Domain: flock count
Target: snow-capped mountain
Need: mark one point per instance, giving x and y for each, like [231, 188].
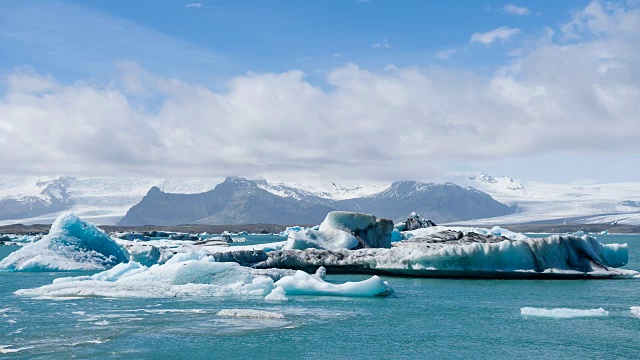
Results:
[331, 190]
[102, 200]
[41, 197]
[241, 201]
[105, 200]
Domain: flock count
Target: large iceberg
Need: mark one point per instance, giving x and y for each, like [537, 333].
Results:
[200, 275]
[450, 253]
[343, 230]
[72, 244]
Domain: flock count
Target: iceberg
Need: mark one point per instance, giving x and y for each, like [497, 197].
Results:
[144, 254]
[200, 275]
[342, 230]
[72, 244]
[291, 229]
[250, 313]
[277, 294]
[563, 313]
[305, 284]
[315, 239]
[455, 254]
[495, 231]
[414, 222]
[369, 230]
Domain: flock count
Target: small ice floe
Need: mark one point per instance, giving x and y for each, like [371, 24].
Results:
[250, 313]
[9, 349]
[277, 294]
[563, 313]
[87, 342]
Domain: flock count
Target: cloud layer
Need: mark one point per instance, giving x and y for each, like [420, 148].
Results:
[575, 91]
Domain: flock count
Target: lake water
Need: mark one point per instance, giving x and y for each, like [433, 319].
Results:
[427, 318]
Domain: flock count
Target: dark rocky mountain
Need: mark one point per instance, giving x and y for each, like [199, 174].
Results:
[242, 201]
[52, 198]
[438, 202]
[234, 201]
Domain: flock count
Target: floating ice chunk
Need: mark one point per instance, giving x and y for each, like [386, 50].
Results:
[187, 278]
[304, 284]
[495, 231]
[314, 239]
[563, 313]
[119, 271]
[277, 294]
[375, 233]
[321, 272]
[9, 349]
[72, 244]
[291, 229]
[198, 275]
[396, 236]
[146, 255]
[250, 313]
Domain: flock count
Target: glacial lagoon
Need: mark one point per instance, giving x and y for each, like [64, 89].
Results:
[444, 318]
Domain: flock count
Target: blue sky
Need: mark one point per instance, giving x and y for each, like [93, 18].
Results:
[225, 38]
[522, 85]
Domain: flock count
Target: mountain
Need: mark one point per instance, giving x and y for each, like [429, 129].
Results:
[106, 200]
[439, 202]
[102, 200]
[234, 201]
[51, 197]
[238, 201]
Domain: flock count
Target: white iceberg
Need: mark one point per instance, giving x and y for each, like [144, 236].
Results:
[343, 230]
[452, 254]
[250, 313]
[305, 284]
[72, 244]
[277, 294]
[563, 313]
[197, 274]
[329, 239]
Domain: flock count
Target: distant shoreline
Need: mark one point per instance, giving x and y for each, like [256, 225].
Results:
[20, 229]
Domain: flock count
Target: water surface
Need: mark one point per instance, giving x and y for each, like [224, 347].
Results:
[441, 319]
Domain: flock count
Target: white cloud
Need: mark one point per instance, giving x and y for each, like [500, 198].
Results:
[445, 54]
[515, 10]
[194, 5]
[502, 34]
[337, 55]
[396, 123]
[384, 44]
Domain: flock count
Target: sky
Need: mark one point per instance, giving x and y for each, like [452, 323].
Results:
[350, 90]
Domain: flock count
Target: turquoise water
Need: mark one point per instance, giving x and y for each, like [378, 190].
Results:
[441, 319]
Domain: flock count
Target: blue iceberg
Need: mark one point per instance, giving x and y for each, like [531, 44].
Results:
[72, 244]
